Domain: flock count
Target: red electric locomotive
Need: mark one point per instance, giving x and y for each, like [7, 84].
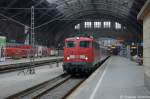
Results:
[81, 55]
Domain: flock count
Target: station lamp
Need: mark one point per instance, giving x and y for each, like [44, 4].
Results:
[133, 47]
[113, 47]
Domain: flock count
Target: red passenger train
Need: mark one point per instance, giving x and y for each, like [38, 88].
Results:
[18, 51]
[81, 55]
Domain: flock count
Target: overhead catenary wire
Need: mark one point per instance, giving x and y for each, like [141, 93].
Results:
[18, 22]
[9, 18]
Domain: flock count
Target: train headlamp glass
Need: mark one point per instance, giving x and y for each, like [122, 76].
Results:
[68, 58]
[83, 57]
[86, 58]
[78, 38]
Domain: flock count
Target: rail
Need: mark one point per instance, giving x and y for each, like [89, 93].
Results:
[21, 66]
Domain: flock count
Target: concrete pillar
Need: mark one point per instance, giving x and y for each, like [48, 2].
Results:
[128, 52]
[145, 16]
[26, 30]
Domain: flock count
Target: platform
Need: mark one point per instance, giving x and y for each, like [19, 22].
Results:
[14, 82]
[25, 60]
[118, 78]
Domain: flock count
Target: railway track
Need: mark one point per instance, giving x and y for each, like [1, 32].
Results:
[57, 88]
[21, 66]
[62, 90]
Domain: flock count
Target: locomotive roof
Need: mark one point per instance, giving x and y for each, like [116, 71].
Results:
[80, 38]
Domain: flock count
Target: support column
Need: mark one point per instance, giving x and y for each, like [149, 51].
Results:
[26, 32]
[145, 16]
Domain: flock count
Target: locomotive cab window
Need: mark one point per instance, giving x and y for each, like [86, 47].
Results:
[70, 44]
[85, 44]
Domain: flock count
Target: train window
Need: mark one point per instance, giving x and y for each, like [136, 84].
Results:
[70, 44]
[85, 44]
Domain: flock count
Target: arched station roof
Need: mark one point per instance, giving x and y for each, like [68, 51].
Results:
[52, 15]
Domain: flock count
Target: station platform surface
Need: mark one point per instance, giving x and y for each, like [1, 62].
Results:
[118, 78]
[24, 60]
[14, 82]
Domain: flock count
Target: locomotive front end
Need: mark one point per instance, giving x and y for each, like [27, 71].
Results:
[78, 55]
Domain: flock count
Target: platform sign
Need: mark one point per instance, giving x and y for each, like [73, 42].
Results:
[2, 48]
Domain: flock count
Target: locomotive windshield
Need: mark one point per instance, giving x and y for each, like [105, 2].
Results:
[70, 44]
[84, 44]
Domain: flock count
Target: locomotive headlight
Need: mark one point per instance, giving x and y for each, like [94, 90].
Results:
[68, 58]
[71, 57]
[83, 57]
[86, 58]
[78, 38]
